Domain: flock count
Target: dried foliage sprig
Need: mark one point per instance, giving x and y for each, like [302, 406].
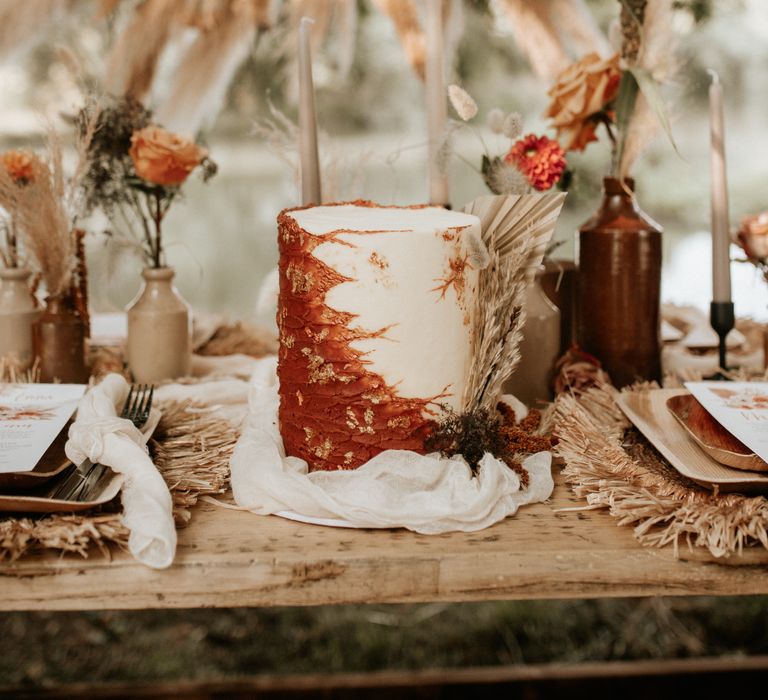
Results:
[479, 431]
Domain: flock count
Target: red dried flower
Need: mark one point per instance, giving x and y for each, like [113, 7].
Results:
[539, 158]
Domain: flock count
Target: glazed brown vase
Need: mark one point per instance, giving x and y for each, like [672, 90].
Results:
[58, 341]
[619, 287]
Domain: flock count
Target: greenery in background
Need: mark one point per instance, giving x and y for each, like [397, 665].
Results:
[205, 644]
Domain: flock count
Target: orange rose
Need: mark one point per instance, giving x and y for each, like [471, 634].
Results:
[753, 236]
[162, 157]
[19, 165]
[581, 91]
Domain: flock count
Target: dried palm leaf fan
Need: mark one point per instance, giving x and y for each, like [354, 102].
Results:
[516, 230]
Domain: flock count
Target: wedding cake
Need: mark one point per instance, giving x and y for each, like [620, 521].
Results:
[375, 316]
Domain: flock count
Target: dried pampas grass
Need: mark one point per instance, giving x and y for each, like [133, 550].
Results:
[551, 32]
[21, 22]
[516, 229]
[46, 208]
[133, 61]
[649, 47]
[206, 68]
[405, 18]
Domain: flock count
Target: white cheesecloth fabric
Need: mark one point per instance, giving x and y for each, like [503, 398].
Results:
[98, 434]
[428, 494]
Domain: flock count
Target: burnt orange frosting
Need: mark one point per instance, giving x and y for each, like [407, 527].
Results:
[334, 412]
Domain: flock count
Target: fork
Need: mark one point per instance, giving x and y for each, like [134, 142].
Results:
[76, 486]
[138, 414]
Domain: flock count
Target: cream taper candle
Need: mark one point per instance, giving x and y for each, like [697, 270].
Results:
[721, 238]
[437, 111]
[308, 155]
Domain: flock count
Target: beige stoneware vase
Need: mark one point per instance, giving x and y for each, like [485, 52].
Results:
[159, 330]
[17, 312]
[539, 348]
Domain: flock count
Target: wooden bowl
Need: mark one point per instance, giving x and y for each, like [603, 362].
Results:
[712, 437]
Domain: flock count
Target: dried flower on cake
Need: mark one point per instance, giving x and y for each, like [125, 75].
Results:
[540, 159]
[474, 433]
[580, 99]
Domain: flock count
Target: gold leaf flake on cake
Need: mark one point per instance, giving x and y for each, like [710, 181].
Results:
[320, 371]
[317, 337]
[374, 397]
[322, 451]
[301, 282]
[399, 422]
[378, 261]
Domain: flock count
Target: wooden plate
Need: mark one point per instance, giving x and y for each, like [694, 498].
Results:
[712, 437]
[649, 413]
[53, 462]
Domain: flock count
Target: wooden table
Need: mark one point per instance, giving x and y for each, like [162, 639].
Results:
[230, 558]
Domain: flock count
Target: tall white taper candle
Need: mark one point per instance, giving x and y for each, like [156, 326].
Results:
[721, 238]
[436, 98]
[308, 156]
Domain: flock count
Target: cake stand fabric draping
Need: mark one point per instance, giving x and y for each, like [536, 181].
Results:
[98, 434]
[428, 494]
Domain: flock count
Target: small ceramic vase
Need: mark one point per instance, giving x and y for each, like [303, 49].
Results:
[17, 312]
[159, 330]
[58, 341]
[539, 349]
[619, 287]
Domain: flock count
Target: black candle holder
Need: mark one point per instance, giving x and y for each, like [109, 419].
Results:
[722, 320]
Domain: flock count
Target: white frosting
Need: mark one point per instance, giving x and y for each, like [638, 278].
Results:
[400, 266]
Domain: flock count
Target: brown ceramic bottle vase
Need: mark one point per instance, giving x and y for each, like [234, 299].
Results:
[58, 340]
[619, 287]
[17, 312]
[159, 330]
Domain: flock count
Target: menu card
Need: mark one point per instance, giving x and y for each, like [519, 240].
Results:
[31, 416]
[740, 407]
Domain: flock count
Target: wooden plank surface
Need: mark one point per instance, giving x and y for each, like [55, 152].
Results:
[229, 558]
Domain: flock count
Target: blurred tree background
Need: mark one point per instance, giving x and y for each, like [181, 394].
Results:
[370, 109]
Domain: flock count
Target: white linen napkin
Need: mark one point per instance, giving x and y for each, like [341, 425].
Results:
[397, 488]
[100, 435]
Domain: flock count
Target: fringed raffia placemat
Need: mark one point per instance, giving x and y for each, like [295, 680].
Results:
[191, 449]
[610, 464]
